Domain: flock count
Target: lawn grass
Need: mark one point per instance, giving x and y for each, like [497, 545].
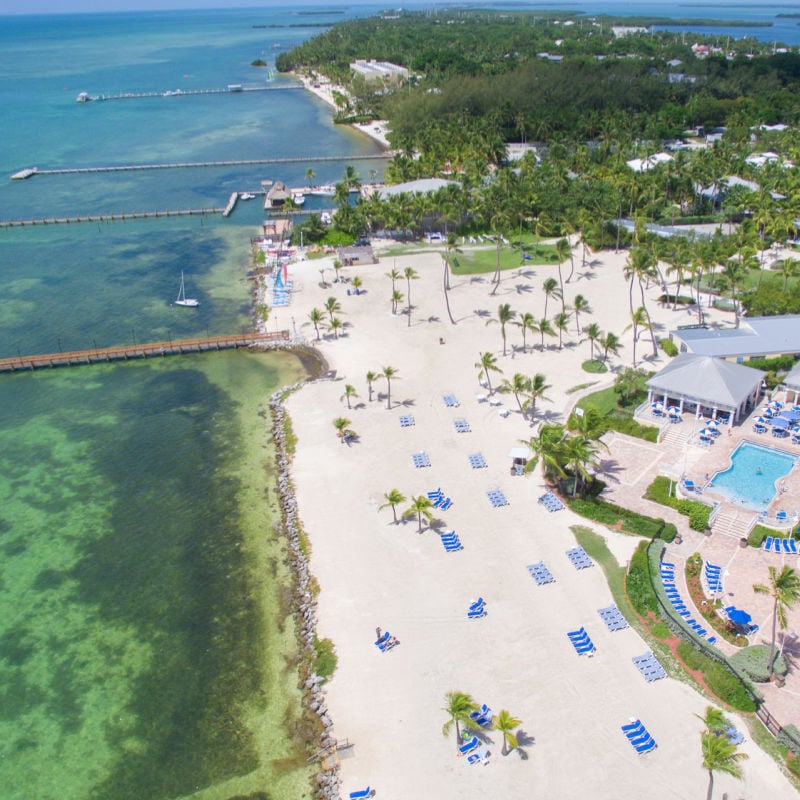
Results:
[480, 260]
[605, 401]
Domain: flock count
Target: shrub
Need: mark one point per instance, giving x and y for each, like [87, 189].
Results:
[615, 516]
[754, 662]
[789, 737]
[629, 426]
[594, 366]
[660, 630]
[668, 532]
[698, 513]
[793, 764]
[758, 534]
[325, 658]
[669, 347]
[698, 516]
[638, 585]
[723, 683]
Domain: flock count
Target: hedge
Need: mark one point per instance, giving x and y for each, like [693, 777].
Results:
[754, 662]
[616, 517]
[325, 659]
[720, 681]
[638, 585]
[698, 513]
[758, 534]
[669, 347]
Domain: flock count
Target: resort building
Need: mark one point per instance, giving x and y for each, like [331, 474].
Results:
[379, 70]
[709, 387]
[756, 337]
[422, 186]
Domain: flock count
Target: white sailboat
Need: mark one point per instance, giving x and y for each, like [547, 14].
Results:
[182, 299]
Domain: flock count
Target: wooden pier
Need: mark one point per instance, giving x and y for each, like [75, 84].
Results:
[101, 355]
[178, 212]
[244, 162]
[85, 97]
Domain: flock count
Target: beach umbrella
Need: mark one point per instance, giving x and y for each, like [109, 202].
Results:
[520, 451]
[792, 416]
[780, 422]
[739, 617]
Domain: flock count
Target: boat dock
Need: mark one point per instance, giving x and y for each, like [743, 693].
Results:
[32, 171]
[85, 97]
[99, 355]
[231, 204]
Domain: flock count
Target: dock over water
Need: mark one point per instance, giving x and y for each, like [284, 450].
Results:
[100, 355]
[85, 97]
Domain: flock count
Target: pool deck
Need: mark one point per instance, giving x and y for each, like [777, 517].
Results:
[630, 465]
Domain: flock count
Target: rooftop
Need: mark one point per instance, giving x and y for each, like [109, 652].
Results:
[757, 336]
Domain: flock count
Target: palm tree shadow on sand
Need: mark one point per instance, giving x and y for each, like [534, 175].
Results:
[524, 740]
[609, 468]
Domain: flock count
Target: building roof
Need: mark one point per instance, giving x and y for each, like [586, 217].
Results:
[792, 379]
[423, 186]
[710, 381]
[757, 336]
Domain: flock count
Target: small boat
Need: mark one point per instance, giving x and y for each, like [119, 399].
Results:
[326, 190]
[246, 196]
[298, 198]
[182, 299]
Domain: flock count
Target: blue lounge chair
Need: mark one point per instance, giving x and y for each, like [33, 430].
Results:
[785, 545]
[445, 504]
[435, 494]
[647, 746]
[383, 639]
[781, 516]
[477, 461]
[479, 603]
[632, 726]
[469, 746]
[478, 613]
[361, 794]
[768, 543]
[792, 546]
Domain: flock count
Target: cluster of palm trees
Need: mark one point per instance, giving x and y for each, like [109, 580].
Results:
[326, 317]
[459, 706]
[388, 374]
[719, 754]
[410, 274]
[568, 451]
[420, 507]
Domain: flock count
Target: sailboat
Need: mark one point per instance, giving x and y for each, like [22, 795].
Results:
[183, 300]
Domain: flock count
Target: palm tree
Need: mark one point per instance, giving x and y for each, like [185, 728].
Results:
[544, 327]
[487, 364]
[719, 755]
[536, 391]
[332, 306]
[580, 305]
[393, 499]
[593, 334]
[518, 385]
[316, 316]
[410, 275]
[611, 344]
[349, 392]
[561, 320]
[784, 588]
[504, 315]
[507, 724]
[714, 720]
[563, 252]
[458, 708]
[335, 325]
[395, 276]
[371, 378]
[638, 319]
[310, 175]
[591, 424]
[579, 454]
[547, 447]
[389, 373]
[397, 298]
[421, 506]
[527, 322]
[449, 247]
[340, 423]
[550, 288]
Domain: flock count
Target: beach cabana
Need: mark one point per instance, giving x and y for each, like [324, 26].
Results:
[519, 456]
[707, 386]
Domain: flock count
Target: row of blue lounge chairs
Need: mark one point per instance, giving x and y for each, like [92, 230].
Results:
[778, 545]
[461, 426]
[674, 596]
[613, 618]
[474, 752]
[650, 667]
[386, 642]
[420, 459]
[482, 716]
[477, 609]
[451, 542]
[407, 421]
[540, 573]
[477, 461]
[439, 500]
[551, 502]
[580, 640]
[579, 558]
[497, 498]
[712, 577]
[640, 740]
[451, 401]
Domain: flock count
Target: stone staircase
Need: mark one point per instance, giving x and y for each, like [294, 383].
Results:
[677, 434]
[733, 522]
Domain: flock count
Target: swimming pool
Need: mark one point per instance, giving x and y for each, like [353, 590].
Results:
[750, 479]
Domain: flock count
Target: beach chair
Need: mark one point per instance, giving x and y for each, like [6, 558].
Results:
[420, 460]
[406, 421]
[785, 545]
[477, 461]
[768, 543]
[503, 412]
[792, 546]
[383, 639]
[477, 604]
[477, 613]
[468, 746]
[781, 516]
[361, 794]
[445, 504]
[776, 545]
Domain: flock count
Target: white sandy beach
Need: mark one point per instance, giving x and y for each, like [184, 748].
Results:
[374, 573]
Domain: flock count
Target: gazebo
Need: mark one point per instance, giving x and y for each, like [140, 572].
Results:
[792, 384]
[707, 386]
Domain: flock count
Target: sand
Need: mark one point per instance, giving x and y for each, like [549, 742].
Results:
[375, 573]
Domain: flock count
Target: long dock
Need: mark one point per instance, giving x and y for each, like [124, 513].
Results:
[176, 212]
[84, 97]
[101, 355]
[30, 172]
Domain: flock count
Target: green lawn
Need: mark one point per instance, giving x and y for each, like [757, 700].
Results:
[478, 260]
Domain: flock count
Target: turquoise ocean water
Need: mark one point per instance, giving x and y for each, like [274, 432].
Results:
[139, 591]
